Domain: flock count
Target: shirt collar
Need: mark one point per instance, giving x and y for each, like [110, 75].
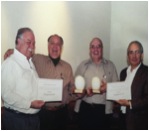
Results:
[19, 55]
[59, 63]
[134, 70]
[22, 59]
[89, 61]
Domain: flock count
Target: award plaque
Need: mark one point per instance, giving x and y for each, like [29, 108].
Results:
[95, 85]
[80, 84]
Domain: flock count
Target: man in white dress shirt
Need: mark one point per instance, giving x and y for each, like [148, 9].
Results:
[19, 85]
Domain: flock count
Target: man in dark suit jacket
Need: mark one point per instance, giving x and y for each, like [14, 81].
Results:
[137, 75]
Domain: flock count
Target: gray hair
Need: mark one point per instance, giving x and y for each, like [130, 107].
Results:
[138, 44]
[61, 39]
[96, 38]
[20, 32]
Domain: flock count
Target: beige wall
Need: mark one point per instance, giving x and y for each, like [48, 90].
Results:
[129, 21]
[116, 23]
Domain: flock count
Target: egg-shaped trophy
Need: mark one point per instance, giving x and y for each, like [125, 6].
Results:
[96, 85]
[79, 84]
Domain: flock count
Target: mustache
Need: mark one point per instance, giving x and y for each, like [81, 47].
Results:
[30, 50]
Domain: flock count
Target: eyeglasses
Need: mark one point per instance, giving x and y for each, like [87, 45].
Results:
[96, 47]
[134, 52]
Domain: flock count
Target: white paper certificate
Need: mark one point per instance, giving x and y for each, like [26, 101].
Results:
[50, 89]
[118, 90]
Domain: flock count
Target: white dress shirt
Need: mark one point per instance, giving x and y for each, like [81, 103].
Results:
[19, 83]
[129, 80]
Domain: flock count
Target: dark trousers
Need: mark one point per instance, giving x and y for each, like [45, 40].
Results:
[92, 116]
[53, 120]
[19, 121]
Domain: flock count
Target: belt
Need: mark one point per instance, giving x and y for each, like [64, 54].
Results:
[18, 112]
[55, 108]
[93, 105]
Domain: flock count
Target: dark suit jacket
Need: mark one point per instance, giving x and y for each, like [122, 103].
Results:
[137, 117]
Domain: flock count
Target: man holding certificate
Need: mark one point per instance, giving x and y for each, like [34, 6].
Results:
[136, 75]
[54, 85]
[19, 85]
[54, 114]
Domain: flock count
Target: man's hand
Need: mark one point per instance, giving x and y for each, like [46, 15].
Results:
[37, 104]
[103, 87]
[123, 102]
[8, 53]
[89, 91]
[78, 95]
[81, 95]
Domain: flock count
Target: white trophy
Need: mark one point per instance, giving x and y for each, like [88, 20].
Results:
[80, 84]
[96, 85]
